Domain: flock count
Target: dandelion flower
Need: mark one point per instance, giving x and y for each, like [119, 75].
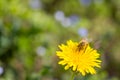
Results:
[79, 56]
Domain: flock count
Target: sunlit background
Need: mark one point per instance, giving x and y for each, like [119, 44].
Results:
[31, 30]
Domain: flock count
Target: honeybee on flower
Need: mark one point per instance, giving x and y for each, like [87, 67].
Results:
[79, 56]
[82, 44]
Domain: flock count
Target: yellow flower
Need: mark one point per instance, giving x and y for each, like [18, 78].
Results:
[79, 56]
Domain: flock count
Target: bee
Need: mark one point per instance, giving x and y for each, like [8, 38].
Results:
[82, 45]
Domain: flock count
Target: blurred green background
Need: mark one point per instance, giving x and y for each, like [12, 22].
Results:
[31, 30]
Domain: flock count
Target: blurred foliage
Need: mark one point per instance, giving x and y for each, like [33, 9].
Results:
[31, 30]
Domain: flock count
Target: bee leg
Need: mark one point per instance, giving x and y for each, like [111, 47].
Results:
[85, 48]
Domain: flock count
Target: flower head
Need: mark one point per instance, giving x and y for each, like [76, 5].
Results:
[79, 56]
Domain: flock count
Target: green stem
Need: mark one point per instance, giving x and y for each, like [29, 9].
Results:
[73, 76]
